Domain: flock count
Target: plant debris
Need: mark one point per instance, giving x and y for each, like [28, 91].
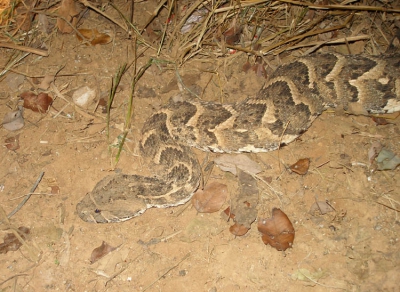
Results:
[277, 231]
[68, 16]
[387, 160]
[36, 102]
[211, 198]
[14, 120]
[243, 209]
[233, 162]
[93, 37]
[11, 242]
[101, 251]
[301, 166]
[12, 143]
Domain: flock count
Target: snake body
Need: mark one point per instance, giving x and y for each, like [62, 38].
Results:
[294, 95]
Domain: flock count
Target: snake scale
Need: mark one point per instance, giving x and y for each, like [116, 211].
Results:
[293, 96]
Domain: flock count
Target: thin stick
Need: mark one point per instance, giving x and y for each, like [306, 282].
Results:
[170, 269]
[24, 49]
[27, 196]
[342, 7]
[12, 277]
[280, 141]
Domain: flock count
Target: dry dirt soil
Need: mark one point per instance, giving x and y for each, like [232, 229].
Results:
[353, 248]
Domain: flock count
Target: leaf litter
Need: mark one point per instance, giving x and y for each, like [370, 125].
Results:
[243, 208]
[11, 242]
[101, 251]
[14, 120]
[211, 198]
[277, 231]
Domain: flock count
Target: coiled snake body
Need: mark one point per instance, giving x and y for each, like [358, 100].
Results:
[297, 92]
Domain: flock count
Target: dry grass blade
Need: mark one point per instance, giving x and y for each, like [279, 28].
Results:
[113, 90]
[129, 112]
[343, 7]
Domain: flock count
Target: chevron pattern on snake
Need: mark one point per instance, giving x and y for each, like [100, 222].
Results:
[294, 95]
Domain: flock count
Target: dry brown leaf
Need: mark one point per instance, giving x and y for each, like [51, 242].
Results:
[12, 143]
[277, 231]
[37, 103]
[232, 162]
[380, 121]
[373, 152]
[14, 120]
[238, 229]
[232, 35]
[259, 70]
[246, 67]
[69, 11]
[211, 198]
[101, 251]
[11, 242]
[227, 214]
[301, 166]
[93, 36]
[243, 209]
[46, 81]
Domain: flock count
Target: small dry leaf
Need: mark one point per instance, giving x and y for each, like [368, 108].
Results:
[12, 143]
[69, 11]
[232, 35]
[387, 160]
[211, 198]
[380, 121]
[373, 152]
[301, 166]
[238, 229]
[93, 36]
[277, 231]
[46, 81]
[101, 251]
[14, 120]
[227, 214]
[54, 190]
[11, 242]
[232, 162]
[37, 103]
[259, 70]
[321, 208]
[246, 67]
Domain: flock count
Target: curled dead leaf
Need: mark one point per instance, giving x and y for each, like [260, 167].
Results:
[211, 198]
[233, 162]
[301, 166]
[101, 251]
[373, 151]
[11, 242]
[232, 35]
[380, 121]
[37, 103]
[12, 143]
[277, 231]
[238, 229]
[93, 36]
[14, 120]
[68, 11]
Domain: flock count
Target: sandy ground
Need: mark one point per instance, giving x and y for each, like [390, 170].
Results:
[354, 248]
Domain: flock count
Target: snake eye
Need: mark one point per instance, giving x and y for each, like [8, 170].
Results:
[97, 211]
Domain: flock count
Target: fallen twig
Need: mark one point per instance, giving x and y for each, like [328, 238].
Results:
[27, 196]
